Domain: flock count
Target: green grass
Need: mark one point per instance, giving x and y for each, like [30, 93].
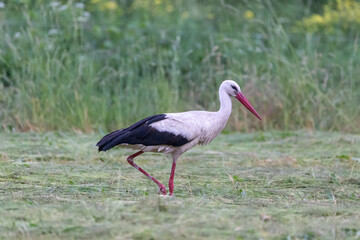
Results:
[63, 69]
[269, 185]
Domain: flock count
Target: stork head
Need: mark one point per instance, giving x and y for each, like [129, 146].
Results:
[233, 89]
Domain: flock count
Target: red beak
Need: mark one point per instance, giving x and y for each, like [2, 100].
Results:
[247, 104]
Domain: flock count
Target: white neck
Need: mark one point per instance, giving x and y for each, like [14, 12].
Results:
[217, 121]
[225, 105]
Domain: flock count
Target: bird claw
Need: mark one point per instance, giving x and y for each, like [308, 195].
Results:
[162, 191]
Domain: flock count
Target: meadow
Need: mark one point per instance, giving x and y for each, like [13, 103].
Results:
[101, 65]
[273, 185]
[70, 71]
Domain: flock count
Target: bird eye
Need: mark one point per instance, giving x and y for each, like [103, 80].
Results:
[233, 87]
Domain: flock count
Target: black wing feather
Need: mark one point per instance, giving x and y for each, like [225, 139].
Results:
[141, 133]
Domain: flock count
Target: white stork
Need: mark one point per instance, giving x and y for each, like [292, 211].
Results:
[175, 133]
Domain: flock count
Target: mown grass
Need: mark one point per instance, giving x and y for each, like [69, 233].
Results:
[65, 66]
[272, 185]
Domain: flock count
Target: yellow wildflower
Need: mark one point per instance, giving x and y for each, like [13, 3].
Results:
[249, 14]
[344, 14]
[110, 5]
[317, 19]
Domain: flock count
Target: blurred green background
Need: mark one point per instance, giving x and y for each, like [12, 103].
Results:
[99, 65]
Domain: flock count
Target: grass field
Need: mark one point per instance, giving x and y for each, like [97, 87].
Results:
[73, 69]
[101, 64]
[273, 185]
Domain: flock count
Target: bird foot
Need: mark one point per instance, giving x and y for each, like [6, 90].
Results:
[162, 191]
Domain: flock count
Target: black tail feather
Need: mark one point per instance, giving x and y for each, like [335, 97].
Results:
[141, 133]
[112, 139]
[107, 140]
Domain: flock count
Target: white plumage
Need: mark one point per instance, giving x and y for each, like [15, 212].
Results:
[175, 133]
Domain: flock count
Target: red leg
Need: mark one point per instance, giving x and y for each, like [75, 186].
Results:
[131, 161]
[171, 180]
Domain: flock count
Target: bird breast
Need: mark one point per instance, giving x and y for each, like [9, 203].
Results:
[211, 129]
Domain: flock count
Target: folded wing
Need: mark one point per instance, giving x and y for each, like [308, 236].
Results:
[143, 133]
